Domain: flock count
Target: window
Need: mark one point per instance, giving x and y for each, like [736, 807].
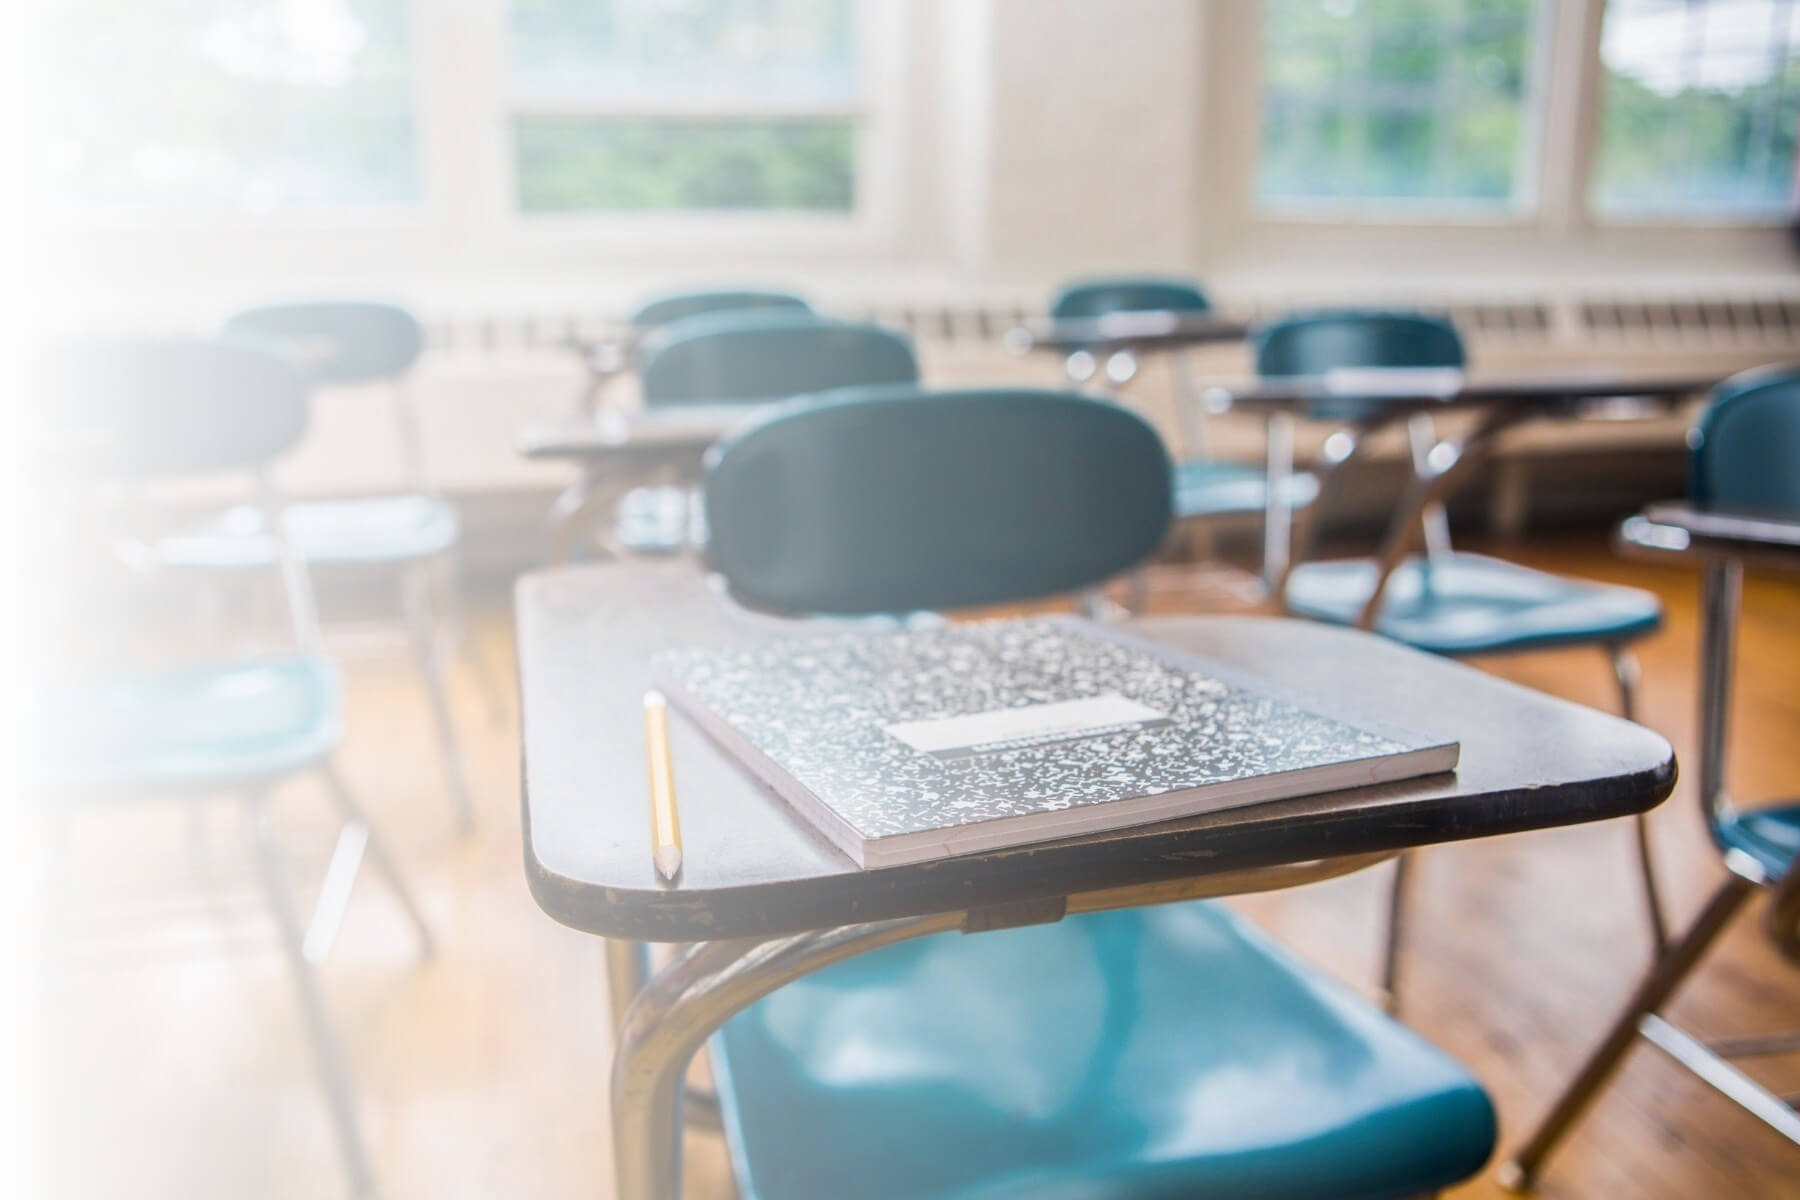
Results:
[1699, 106]
[228, 106]
[684, 104]
[1404, 103]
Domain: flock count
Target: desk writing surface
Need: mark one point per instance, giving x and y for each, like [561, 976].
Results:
[1480, 389]
[752, 867]
[641, 433]
[1144, 330]
[1711, 534]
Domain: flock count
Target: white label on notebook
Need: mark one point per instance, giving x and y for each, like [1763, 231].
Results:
[1034, 724]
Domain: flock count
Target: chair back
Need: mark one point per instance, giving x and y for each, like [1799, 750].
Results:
[1315, 343]
[1746, 447]
[336, 341]
[1141, 293]
[893, 500]
[142, 409]
[733, 356]
[653, 314]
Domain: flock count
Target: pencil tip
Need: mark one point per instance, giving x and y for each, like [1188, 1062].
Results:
[668, 861]
[655, 699]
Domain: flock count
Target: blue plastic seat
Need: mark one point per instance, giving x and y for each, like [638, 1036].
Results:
[361, 530]
[1471, 604]
[1133, 1055]
[234, 725]
[1211, 487]
[1161, 1052]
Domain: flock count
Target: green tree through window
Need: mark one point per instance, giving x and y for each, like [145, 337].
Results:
[1700, 103]
[1408, 103]
[703, 104]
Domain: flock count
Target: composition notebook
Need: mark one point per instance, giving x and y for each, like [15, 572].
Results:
[911, 746]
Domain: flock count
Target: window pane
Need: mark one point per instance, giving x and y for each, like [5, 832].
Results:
[575, 163]
[1700, 103]
[1412, 101]
[248, 106]
[677, 104]
[647, 52]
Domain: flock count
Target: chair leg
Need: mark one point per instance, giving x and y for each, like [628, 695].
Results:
[1627, 674]
[328, 1052]
[422, 630]
[1519, 1173]
[377, 852]
[1396, 934]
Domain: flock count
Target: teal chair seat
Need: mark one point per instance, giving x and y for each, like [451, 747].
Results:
[361, 530]
[228, 726]
[1472, 604]
[1161, 1052]
[1770, 836]
[1215, 488]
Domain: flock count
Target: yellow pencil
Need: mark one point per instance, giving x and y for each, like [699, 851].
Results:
[665, 821]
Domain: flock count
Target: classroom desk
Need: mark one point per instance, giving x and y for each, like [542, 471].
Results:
[618, 451]
[1134, 331]
[1370, 401]
[763, 900]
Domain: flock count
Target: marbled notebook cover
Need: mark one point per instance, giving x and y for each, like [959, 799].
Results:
[916, 745]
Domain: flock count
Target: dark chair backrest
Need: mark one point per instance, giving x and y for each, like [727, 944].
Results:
[336, 341]
[149, 408]
[736, 356]
[891, 500]
[653, 314]
[1314, 343]
[1143, 293]
[1746, 447]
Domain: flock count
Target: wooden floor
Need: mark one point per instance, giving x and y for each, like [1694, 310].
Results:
[483, 1072]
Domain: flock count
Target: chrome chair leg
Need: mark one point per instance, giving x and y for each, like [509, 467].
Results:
[1520, 1172]
[1396, 934]
[421, 629]
[377, 852]
[680, 1009]
[328, 1051]
[1627, 674]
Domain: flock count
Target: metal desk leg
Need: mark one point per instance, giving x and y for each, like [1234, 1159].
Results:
[576, 508]
[1278, 515]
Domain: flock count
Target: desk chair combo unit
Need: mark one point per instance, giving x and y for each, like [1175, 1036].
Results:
[1446, 601]
[413, 534]
[1114, 1050]
[606, 360]
[150, 412]
[1208, 491]
[728, 366]
[1745, 509]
